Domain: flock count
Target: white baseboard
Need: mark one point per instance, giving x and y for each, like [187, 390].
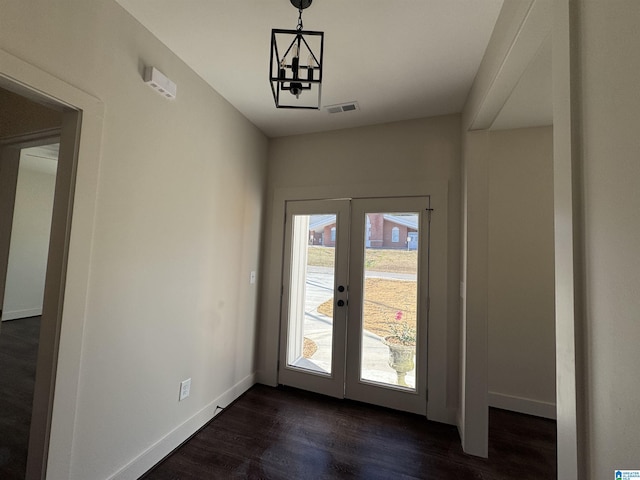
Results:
[523, 405]
[16, 314]
[156, 452]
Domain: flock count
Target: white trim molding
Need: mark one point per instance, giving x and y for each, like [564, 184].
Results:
[24, 313]
[176, 437]
[29, 78]
[529, 406]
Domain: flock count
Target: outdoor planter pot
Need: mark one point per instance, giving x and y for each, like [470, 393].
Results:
[400, 358]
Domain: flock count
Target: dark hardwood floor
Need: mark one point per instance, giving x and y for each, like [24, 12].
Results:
[289, 434]
[284, 433]
[18, 352]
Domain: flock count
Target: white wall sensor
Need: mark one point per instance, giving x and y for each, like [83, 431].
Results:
[159, 82]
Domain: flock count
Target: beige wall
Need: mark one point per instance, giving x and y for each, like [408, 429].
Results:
[521, 316]
[597, 236]
[609, 69]
[169, 295]
[151, 293]
[382, 154]
[401, 158]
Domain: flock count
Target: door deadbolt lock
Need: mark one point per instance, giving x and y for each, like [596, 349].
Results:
[341, 288]
[341, 303]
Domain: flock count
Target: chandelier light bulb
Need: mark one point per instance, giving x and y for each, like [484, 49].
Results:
[310, 68]
[295, 61]
[283, 69]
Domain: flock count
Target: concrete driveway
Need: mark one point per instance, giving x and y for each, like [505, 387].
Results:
[318, 328]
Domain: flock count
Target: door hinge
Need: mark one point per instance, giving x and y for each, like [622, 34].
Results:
[429, 212]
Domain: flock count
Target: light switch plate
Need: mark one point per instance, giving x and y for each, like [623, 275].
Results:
[185, 389]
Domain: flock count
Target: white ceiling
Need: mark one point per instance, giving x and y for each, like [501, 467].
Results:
[399, 59]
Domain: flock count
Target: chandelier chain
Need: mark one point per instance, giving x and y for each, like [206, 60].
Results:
[299, 19]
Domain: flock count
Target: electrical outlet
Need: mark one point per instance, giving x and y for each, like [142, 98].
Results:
[185, 389]
[252, 277]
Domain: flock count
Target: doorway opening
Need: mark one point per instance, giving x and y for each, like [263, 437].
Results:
[38, 151]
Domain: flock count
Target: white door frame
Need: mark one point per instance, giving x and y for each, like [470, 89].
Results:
[443, 355]
[58, 410]
[352, 225]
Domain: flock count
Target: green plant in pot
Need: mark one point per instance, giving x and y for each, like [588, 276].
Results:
[402, 347]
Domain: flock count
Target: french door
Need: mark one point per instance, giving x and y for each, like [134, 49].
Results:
[355, 300]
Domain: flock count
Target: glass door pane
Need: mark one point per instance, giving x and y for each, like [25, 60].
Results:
[312, 274]
[314, 296]
[388, 303]
[390, 299]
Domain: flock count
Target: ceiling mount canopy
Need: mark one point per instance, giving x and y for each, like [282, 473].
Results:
[295, 71]
[301, 4]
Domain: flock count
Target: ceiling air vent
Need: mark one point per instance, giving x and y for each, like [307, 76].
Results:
[342, 107]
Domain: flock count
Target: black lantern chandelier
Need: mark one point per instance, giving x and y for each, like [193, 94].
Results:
[296, 65]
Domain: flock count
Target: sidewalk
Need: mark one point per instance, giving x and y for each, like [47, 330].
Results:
[318, 328]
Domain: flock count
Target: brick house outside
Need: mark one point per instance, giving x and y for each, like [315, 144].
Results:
[384, 230]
